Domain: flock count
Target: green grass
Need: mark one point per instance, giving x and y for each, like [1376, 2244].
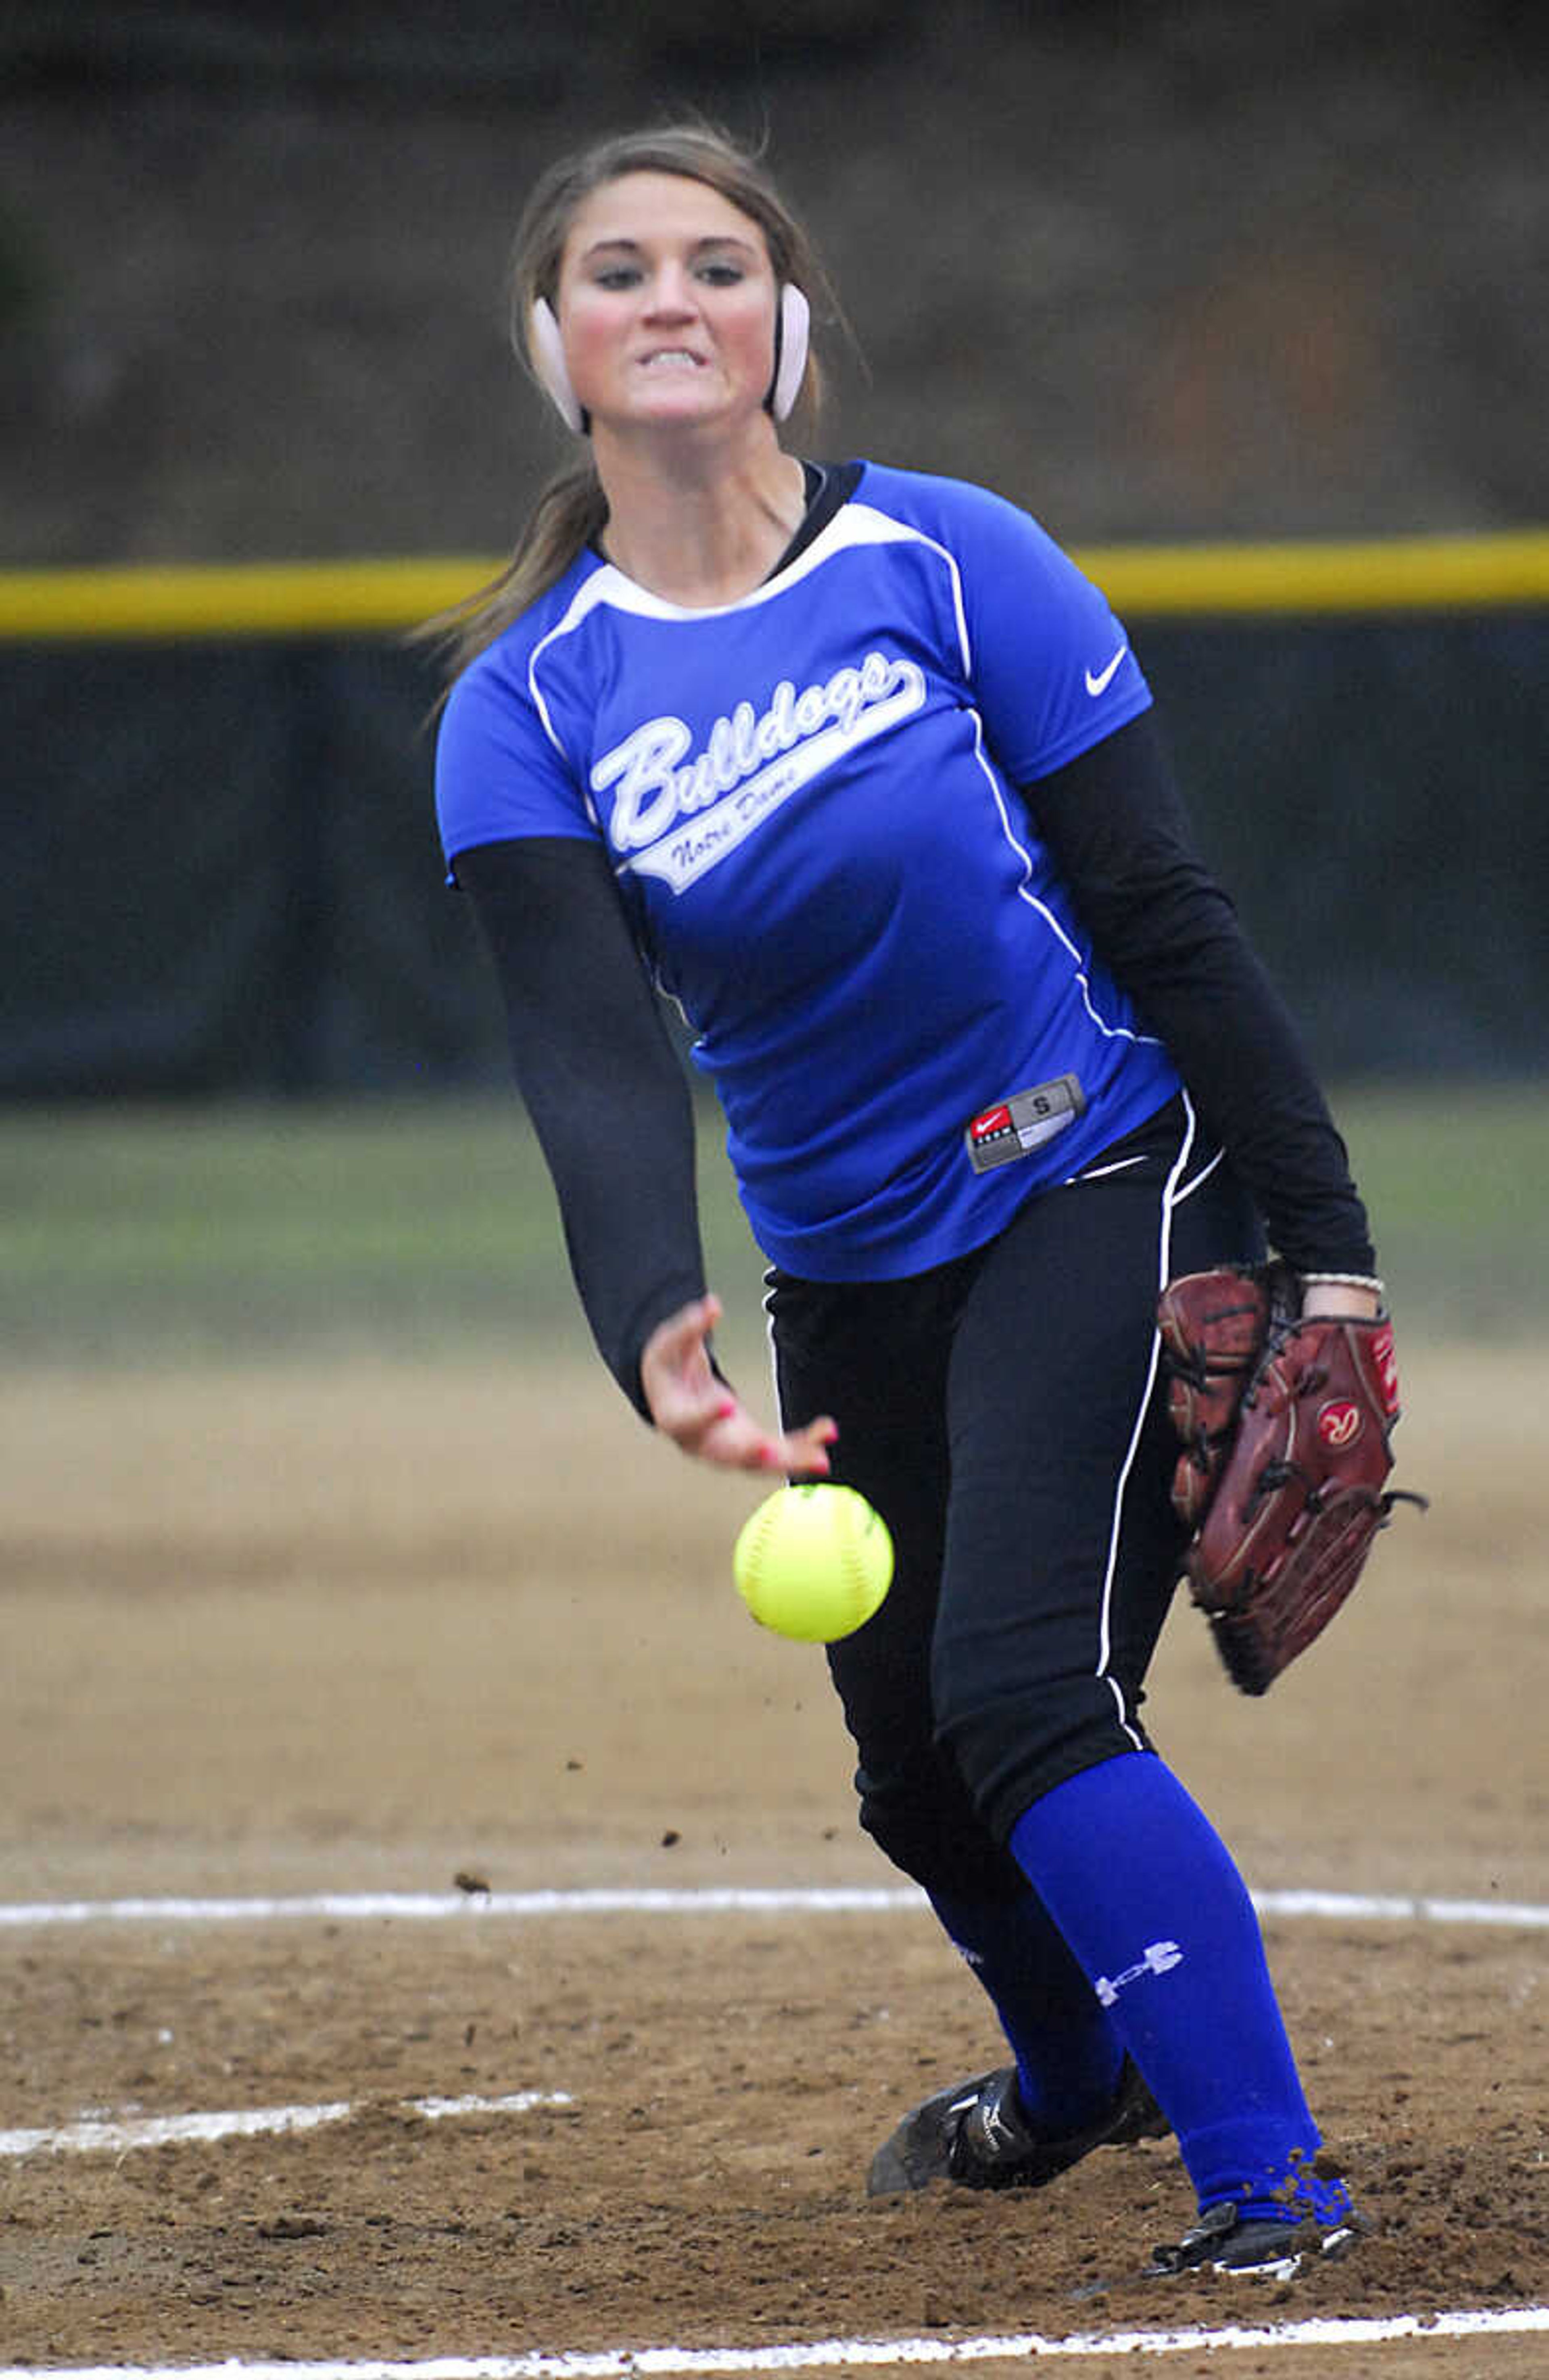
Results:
[1455, 1179]
[182, 1233]
[132, 1234]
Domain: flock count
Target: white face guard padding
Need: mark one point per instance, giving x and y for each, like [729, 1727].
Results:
[546, 350]
[791, 346]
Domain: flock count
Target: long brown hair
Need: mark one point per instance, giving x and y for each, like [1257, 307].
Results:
[572, 509]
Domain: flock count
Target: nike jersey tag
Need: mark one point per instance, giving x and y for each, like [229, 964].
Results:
[1014, 1127]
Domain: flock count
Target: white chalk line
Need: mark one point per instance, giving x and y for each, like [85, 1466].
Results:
[835, 2354]
[711, 1900]
[92, 2134]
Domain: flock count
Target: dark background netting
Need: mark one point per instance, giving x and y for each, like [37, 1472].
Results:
[227, 878]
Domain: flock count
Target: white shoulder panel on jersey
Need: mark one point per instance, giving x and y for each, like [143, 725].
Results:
[854, 525]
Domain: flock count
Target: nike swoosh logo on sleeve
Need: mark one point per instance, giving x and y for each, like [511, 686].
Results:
[1100, 682]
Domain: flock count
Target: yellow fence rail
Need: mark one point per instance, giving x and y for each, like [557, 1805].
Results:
[368, 598]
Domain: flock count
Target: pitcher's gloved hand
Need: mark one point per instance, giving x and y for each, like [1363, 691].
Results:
[1287, 1421]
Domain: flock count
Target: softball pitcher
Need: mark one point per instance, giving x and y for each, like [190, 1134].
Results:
[857, 768]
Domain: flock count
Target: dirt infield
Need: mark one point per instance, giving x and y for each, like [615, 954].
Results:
[371, 1628]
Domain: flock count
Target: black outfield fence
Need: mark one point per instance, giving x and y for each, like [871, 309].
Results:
[223, 875]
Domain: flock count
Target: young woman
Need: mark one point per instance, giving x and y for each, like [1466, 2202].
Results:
[855, 766]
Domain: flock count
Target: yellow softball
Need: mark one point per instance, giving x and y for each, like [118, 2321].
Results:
[813, 1562]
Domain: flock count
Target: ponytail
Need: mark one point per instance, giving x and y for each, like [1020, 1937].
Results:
[568, 515]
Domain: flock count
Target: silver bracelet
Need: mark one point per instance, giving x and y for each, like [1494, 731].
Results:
[1345, 1281]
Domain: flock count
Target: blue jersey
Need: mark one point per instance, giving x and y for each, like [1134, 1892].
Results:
[808, 800]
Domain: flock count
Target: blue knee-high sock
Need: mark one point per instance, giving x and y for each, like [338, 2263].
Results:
[1068, 2051]
[1146, 1894]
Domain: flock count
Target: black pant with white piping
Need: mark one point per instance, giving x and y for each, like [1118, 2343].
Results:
[1007, 1417]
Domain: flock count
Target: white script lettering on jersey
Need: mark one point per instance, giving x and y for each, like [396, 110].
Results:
[751, 761]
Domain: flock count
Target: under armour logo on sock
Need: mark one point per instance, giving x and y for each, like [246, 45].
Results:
[1159, 1958]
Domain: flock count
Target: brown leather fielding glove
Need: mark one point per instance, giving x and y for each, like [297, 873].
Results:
[1285, 1460]
[1214, 1326]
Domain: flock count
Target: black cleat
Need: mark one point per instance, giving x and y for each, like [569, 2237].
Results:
[978, 2135]
[1274, 2250]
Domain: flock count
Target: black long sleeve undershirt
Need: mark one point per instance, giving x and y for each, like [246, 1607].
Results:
[609, 1099]
[1114, 826]
[601, 1081]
